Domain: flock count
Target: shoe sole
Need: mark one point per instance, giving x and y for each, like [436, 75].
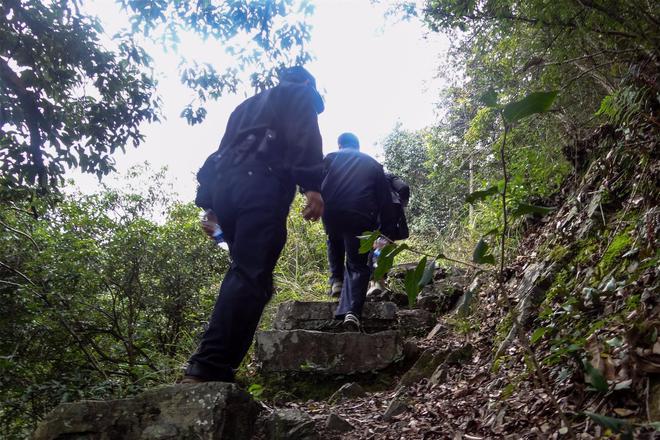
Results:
[350, 327]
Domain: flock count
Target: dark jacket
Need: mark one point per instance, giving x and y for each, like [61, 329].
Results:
[296, 151]
[355, 183]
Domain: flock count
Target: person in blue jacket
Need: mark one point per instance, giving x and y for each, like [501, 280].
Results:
[271, 144]
[357, 198]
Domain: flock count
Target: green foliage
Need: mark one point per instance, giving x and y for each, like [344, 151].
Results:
[622, 105]
[622, 427]
[531, 104]
[525, 208]
[68, 100]
[413, 280]
[367, 240]
[432, 168]
[596, 378]
[538, 334]
[482, 194]
[481, 254]
[504, 48]
[618, 246]
[256, 390]
[558, 253]
[99, 299]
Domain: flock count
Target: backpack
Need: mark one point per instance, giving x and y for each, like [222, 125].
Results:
[400, 192]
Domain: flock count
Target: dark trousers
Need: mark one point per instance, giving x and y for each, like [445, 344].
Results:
[343, 229]
[252, 206]
[336, 253]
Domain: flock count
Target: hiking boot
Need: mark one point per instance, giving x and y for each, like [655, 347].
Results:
[351, 323]
[335, 289]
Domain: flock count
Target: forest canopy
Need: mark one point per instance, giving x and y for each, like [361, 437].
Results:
[69, 99]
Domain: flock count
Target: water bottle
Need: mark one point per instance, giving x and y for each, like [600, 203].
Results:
[217, 235]
[380, 244]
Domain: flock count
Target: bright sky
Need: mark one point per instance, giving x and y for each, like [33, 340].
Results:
[371, 71]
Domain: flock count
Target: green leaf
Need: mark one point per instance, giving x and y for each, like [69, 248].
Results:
[256, 390]
[481, 194]
[525, 208]
[595, 377]
[400, 248]
[481, 255]
[412, 289]
[614, 342]
[384, 262]
[616, 425]
[411, 281]
[655, 425]
[427, 275]
[464, 307]
[367, 240]
[386, 259]
[537, 102]
[538, 334]
[489, 99]
[419, 270]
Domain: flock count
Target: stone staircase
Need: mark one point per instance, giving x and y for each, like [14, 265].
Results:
[306, 338]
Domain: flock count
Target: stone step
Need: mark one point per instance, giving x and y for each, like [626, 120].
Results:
[315, 315]
[328, 353]
[211, 410]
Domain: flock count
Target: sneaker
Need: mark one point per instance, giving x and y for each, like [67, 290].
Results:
[375, 289]
[335, 289]
[351, 323]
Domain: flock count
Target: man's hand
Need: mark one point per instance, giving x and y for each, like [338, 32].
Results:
[208, 225]
[313, 210]
[380, 243]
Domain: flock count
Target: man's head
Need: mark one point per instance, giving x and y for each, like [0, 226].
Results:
[348, 140]
[297, 74]
[300, 75]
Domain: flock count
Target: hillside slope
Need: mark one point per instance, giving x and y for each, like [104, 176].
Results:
[585, 288]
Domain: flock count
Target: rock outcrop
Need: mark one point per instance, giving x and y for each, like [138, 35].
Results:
[212, 410]
[303, 315]
[328, 353]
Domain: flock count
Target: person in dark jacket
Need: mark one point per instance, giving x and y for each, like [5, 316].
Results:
[271, 144]
[357, 199]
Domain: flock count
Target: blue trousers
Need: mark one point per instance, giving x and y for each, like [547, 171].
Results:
[336, 257]
[252, 205]
[343, 229]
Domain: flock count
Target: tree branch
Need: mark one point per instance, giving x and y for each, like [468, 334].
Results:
[24, 234]
[33, 119]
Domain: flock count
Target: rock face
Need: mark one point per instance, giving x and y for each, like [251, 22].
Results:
[301, 315]
[537, 279]
[654, 397]
[336, 423]
[415, 322]
[347, 391]
[431, 361]
[290, 424]
[212, 410]
[329, 353]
